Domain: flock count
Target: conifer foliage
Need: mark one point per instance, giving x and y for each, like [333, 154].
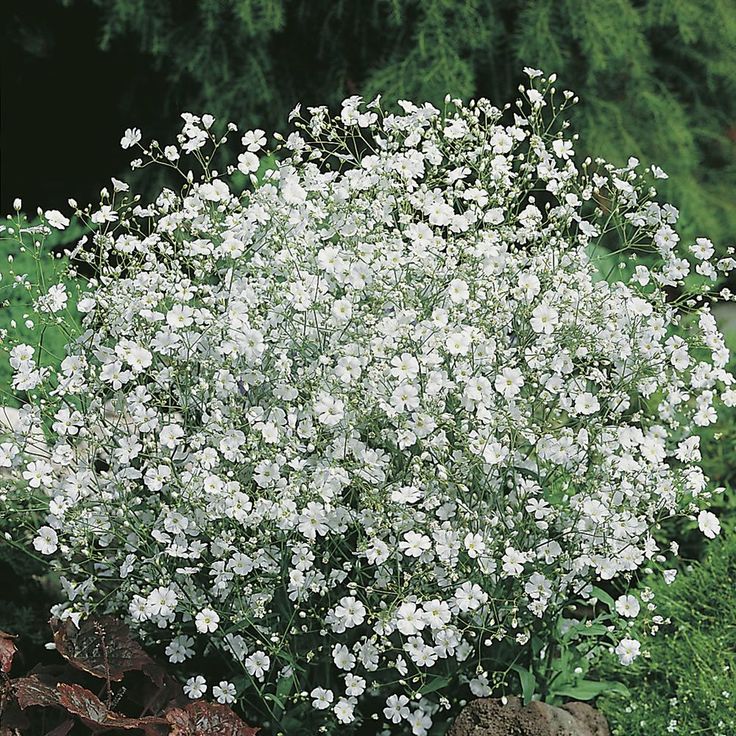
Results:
[658, 77]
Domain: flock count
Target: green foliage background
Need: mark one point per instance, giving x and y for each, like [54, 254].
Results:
[42, 265]
[685, 683]
[657, 78]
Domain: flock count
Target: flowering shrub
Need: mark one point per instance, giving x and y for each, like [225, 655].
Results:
[364, 422]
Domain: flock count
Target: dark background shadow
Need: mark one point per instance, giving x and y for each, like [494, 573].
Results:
[65, 103]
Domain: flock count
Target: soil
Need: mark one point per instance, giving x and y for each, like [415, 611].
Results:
[490, 717]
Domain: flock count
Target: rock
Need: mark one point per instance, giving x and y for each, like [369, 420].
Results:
[490, 717]
[592, 718]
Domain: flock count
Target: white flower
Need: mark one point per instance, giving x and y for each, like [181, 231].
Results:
[350, 612]
[329, 409]
[405, 367]
[458, 291]
[248, 162]
[47, 541]
[56, 219]
[406, 494]
[67, 422]
[344, 710]
[703, 248]
[179, 649]
[532, 73]
[456, 129]
[628, 650]
[55, 299]
[130, 137]
[474, 544]
[321, 698]
[342, 657]
[479, 686]
[669, 576]
[378, 552]
[458, 343]
[414, 544]
[708, 524]
[342, 310]
[180, 315]
[509, 382]
[354, 685]
[105, 214]
[563, 149]
[396, 708]
[257, 664]
[161, 602]
[170, 435]
[21, 355]
[494, 453]
[627, 605]
[224, 692]
[544, 319]
[410, 618]
[38, 473]
[469, 597]
[254, 140]
[405, 397]
[85, 305]
[138, 358]
[420, 723]
[586, 403]
[538, 586]
[8, 453]
[214, 191]
[207, 621]
[348, 369]
[437, 614]
[513, 561]
[195, 687]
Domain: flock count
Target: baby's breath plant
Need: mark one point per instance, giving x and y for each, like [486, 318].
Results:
[369, 425]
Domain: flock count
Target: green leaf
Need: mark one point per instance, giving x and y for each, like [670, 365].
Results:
[603, 597]
[582, 629]
[537, 645]
[589, 689]
[279, 698]
[592, 630]
[274, 698]
[284, 686]
[528, 682]
[436, 683]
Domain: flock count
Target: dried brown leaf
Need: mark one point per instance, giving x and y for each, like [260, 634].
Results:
[178, 718]
[86, 705]
[7, 651]
[207, 719]
[32, 691]
[102, 646]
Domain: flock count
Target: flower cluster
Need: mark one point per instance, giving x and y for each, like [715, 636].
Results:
[363, 419]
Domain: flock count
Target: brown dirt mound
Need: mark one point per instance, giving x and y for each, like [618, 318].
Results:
[490, 717]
